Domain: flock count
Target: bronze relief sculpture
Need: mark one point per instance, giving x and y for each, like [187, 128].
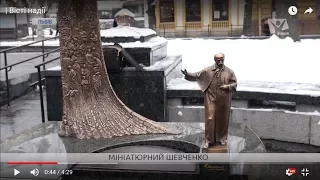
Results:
[218, 82]
[91, 108]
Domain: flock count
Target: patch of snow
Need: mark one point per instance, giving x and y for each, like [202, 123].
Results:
[139, 18]
[29, 37]
[315, 113]
[55, 68]
[161, 64]
[46, 33]
[268, 87]
[124, 12]
[126, 31]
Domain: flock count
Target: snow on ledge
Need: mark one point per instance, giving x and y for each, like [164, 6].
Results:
[315, 113]
[55, 43]
[161, 64]
[127, 31]
[55, 68]
[277, 87]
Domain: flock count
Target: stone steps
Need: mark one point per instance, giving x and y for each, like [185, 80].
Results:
[3, 97]
[19, 86]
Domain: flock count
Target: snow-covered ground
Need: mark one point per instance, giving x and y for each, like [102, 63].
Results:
[271, 65]
[46, 34]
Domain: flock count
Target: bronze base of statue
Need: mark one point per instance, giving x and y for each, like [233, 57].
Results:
[215, 169]
[216, 148]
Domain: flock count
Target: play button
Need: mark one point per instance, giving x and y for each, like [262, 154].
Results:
[15, 172]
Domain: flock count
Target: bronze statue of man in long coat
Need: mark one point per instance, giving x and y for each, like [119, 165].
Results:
[217, 82]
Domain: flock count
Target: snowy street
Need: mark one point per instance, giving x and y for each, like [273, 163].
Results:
[271, 65]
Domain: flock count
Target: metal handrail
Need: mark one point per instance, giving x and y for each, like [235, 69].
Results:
[46, 62]
[40, 79]
[17, 47]
[9, 67]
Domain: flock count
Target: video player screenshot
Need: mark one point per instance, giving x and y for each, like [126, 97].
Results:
[160, 89]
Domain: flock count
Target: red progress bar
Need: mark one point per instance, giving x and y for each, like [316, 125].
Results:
[35, 162]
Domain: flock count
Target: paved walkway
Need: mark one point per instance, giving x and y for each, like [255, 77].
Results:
[23, 114]
[27, 67]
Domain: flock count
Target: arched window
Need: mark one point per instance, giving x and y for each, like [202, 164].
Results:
[166, 10]
[193, 10]
[220, 10]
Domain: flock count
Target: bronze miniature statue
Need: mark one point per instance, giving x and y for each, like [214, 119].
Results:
[217, 82]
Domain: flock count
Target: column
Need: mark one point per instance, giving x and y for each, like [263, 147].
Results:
[146, 22]
[233, 12]
[179, 7]
[206, 13]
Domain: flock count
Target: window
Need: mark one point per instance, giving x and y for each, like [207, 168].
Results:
[220, 10]
[318, 10]
[193, 10]
[133, 9]
[166, 10]
[105, 14]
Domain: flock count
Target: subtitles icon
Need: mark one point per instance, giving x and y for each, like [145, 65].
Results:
[291, 171]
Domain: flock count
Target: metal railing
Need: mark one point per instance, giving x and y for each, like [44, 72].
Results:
[39, 83]
[8, 68]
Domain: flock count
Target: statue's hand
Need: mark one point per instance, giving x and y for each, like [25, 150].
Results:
[224, 87]
[184, 72]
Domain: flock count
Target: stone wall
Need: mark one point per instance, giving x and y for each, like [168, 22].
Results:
[275, 125]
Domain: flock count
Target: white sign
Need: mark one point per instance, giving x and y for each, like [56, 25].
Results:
[44, 21]
[216, 15]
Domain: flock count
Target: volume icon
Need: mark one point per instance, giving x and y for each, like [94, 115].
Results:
[35, 172]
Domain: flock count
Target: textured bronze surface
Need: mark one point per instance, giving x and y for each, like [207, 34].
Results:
[217, 148]
[91, 108]
[217, 83]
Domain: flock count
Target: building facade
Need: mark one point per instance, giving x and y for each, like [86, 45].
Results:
[225, 17]
[198, 17]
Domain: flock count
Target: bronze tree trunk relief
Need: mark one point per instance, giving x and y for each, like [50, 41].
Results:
[91, 108]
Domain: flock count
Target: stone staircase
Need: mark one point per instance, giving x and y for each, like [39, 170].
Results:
[3, 93]
[19, 86]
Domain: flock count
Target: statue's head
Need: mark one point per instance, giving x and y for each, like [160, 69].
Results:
[219, 59]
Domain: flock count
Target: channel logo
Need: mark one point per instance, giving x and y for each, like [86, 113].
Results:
[291, 171]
